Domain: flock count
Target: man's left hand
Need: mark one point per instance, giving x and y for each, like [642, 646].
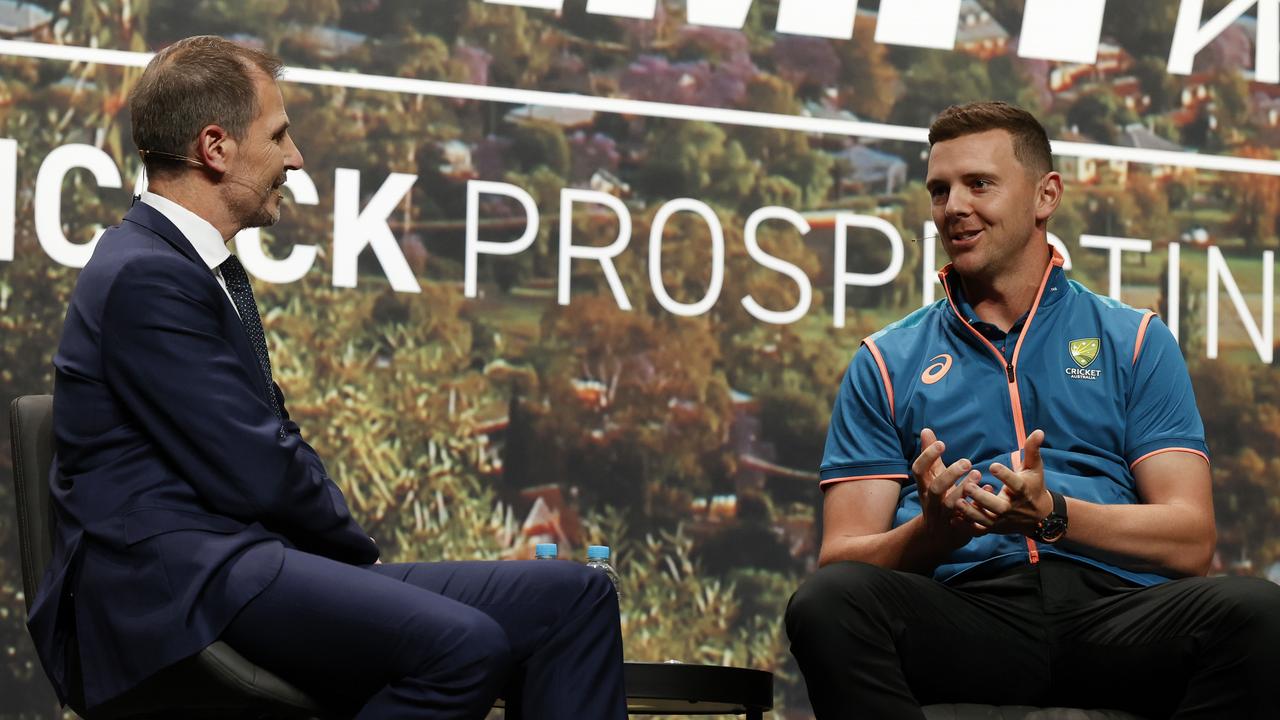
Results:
[1023, 501]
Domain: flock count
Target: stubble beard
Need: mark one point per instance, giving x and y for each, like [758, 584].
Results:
[265, 216]
[251, 210]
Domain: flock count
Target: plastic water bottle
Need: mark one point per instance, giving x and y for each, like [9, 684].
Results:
[545, 551]
[598, 557]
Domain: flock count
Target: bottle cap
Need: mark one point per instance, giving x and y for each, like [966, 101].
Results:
[545, 550]
[598, 552]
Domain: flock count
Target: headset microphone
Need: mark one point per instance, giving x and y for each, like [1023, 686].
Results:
[171, 156]
[260, 190]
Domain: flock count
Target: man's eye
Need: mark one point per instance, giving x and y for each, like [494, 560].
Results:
[981, 183]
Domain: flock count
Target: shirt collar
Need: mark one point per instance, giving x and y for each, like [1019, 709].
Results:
[203, 236]
[1055, 288]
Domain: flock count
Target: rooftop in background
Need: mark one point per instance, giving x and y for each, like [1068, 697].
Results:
[564, 117]
[827, 112]
[1139, 136]
[326, 43]
[979, 33]
[19, 19]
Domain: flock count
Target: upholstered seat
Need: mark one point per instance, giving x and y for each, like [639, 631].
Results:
[215, 683]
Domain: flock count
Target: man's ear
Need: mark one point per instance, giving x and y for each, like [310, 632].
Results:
[214, 146]
[1048, 195]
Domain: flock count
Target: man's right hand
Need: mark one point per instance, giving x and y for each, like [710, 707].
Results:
[858, 515]
[941, 489]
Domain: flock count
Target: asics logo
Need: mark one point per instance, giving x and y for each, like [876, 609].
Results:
[936, 371]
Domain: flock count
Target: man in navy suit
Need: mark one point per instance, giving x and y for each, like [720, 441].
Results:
[188, 506]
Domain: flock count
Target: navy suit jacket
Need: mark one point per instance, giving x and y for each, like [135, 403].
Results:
[175, 485]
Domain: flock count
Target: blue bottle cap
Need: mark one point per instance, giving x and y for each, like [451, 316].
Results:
[598, 552]
[544, 550]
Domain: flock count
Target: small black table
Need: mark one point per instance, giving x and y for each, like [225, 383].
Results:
[687, 689]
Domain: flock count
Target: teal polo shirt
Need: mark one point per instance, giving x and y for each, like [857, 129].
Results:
[1106, 383]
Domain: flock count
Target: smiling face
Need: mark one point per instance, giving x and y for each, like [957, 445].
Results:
[989, 208]
[251, 185]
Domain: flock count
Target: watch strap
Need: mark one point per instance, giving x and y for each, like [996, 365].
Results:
[1054, 525]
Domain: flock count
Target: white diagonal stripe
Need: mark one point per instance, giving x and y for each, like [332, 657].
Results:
[882, 131]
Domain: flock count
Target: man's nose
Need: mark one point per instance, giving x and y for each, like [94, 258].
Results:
[958, 204]
[293, 156]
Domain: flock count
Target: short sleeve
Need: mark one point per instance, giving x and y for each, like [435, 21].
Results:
[862, 441]
[1161, 409]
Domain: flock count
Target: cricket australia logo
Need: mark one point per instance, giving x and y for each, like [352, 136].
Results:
[1084, 351]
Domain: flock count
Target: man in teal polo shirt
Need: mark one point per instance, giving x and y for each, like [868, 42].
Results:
[1018, 504]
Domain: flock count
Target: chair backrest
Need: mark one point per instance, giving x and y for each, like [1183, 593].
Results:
[31, 430]
[215, 683]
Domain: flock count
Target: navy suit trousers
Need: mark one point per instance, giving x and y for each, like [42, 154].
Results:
[441, 640]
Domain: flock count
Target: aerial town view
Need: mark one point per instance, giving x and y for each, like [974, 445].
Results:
[516, 299]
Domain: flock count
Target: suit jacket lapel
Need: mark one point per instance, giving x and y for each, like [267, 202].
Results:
[148, 217]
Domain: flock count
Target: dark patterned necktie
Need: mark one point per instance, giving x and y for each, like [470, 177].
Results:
[242, 295]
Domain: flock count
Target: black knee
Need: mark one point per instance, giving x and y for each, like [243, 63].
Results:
[1238, 657]
[829, 594]
[1254, 607]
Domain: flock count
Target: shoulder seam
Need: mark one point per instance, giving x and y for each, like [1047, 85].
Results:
[1142, 334]
[884, 373]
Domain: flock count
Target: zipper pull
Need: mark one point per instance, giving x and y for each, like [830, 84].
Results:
[1008, 370]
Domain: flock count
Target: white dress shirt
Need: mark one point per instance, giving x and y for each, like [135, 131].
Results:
[203, 236]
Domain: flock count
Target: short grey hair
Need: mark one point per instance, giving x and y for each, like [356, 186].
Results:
[189, 85]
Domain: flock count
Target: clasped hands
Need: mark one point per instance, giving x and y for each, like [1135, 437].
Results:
[954, 505]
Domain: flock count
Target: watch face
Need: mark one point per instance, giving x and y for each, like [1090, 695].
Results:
[1052, 529]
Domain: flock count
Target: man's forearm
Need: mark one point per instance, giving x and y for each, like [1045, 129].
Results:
[906, 547]
[1173, 539]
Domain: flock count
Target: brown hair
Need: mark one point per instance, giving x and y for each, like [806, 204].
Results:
[193, 83]
[1030, 143]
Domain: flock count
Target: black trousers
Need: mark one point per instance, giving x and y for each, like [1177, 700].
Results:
[876, 643]
[441, 640]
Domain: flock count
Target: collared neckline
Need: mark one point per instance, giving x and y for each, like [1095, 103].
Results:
[203, 236]
[1055, 289]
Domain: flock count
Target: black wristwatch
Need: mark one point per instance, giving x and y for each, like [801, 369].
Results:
[1054, 525]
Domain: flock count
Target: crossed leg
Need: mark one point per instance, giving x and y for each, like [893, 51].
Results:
[440, 640]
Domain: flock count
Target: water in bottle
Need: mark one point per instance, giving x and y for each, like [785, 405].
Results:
[545, 551]
[598, 557]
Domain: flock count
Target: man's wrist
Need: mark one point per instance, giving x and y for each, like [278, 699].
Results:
[1044, 504]
[925, 547]
[1053, 526]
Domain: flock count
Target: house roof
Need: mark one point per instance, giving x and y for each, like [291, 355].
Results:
[863, 158]
[1137, 135]
[22, 18]
[976, 24]
[564, 117]
[329, 42]
[826, 112]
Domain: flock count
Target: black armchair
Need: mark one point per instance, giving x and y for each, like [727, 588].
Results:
[217, 682]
